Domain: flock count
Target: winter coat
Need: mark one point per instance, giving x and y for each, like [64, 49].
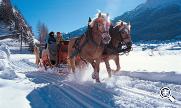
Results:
[52, 47]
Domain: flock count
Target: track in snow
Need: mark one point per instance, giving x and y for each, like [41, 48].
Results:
[101, 96]
[119, 91]
[83, 99]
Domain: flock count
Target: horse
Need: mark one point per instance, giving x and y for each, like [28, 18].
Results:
[120, 43]
[90, 46]
[37, 56]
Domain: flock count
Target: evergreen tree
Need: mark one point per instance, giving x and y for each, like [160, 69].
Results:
[7, 12]
[22, 27]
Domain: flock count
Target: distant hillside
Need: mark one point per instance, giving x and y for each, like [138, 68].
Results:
[153, 20]
[76, 33]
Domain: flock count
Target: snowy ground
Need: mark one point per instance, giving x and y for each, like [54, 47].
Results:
[144, 72]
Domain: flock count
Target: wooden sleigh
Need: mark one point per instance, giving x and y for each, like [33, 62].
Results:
[63, 52]
[62, 56]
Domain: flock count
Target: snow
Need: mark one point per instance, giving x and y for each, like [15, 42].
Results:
[8, 74]
[148, 68]
[163, 57]
[5, 70]
[14, 10]
[148, 63]
[3, 55]
[6, 49]
[14, 85]
[12, 95]
[36, 41]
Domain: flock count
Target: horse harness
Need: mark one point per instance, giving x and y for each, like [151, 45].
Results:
[123, 47]
[88, 39]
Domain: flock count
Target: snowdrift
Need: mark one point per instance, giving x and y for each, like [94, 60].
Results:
[6, 72]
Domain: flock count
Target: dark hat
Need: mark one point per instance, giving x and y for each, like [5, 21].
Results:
[51, 34]
[58, 33]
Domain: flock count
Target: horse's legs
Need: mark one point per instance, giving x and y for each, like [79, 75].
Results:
[80, 64]
[97, 71]
[72, 64]
[71, 56]
[36, 61]
[116, 59]
[45, 66]
[94, 66]
[36, 55]
[108, 66]
[95, 74]
[41, 62]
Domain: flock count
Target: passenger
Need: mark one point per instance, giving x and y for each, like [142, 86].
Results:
[59, 48]
[52, 48]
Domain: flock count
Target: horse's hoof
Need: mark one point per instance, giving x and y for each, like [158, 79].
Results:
[74, 75]
[115, 71]
[98, 81]
[93, 75]
[110, 75]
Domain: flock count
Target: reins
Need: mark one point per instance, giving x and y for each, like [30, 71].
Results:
[88, 39]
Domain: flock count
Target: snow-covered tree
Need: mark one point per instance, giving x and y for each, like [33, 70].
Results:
[6, 12]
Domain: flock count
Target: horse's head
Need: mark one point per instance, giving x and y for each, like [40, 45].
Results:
[122, 34]
[100, 28]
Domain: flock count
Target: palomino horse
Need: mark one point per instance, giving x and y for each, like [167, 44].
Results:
[37, 56]
[90, 46]
[120, 43]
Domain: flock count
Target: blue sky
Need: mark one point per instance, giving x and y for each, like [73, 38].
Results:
[69, 15]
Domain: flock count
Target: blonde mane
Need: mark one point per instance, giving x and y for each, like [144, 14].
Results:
[127, 25]
[105, 17]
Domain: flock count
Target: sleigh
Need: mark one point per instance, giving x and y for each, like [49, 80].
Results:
[63, 52]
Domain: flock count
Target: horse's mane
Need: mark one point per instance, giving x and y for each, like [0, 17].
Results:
[128, 26]
[105, 16]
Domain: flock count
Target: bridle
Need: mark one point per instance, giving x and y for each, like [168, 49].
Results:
[128, 45]
[97, 25]
[122, 31]
[89, 38]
